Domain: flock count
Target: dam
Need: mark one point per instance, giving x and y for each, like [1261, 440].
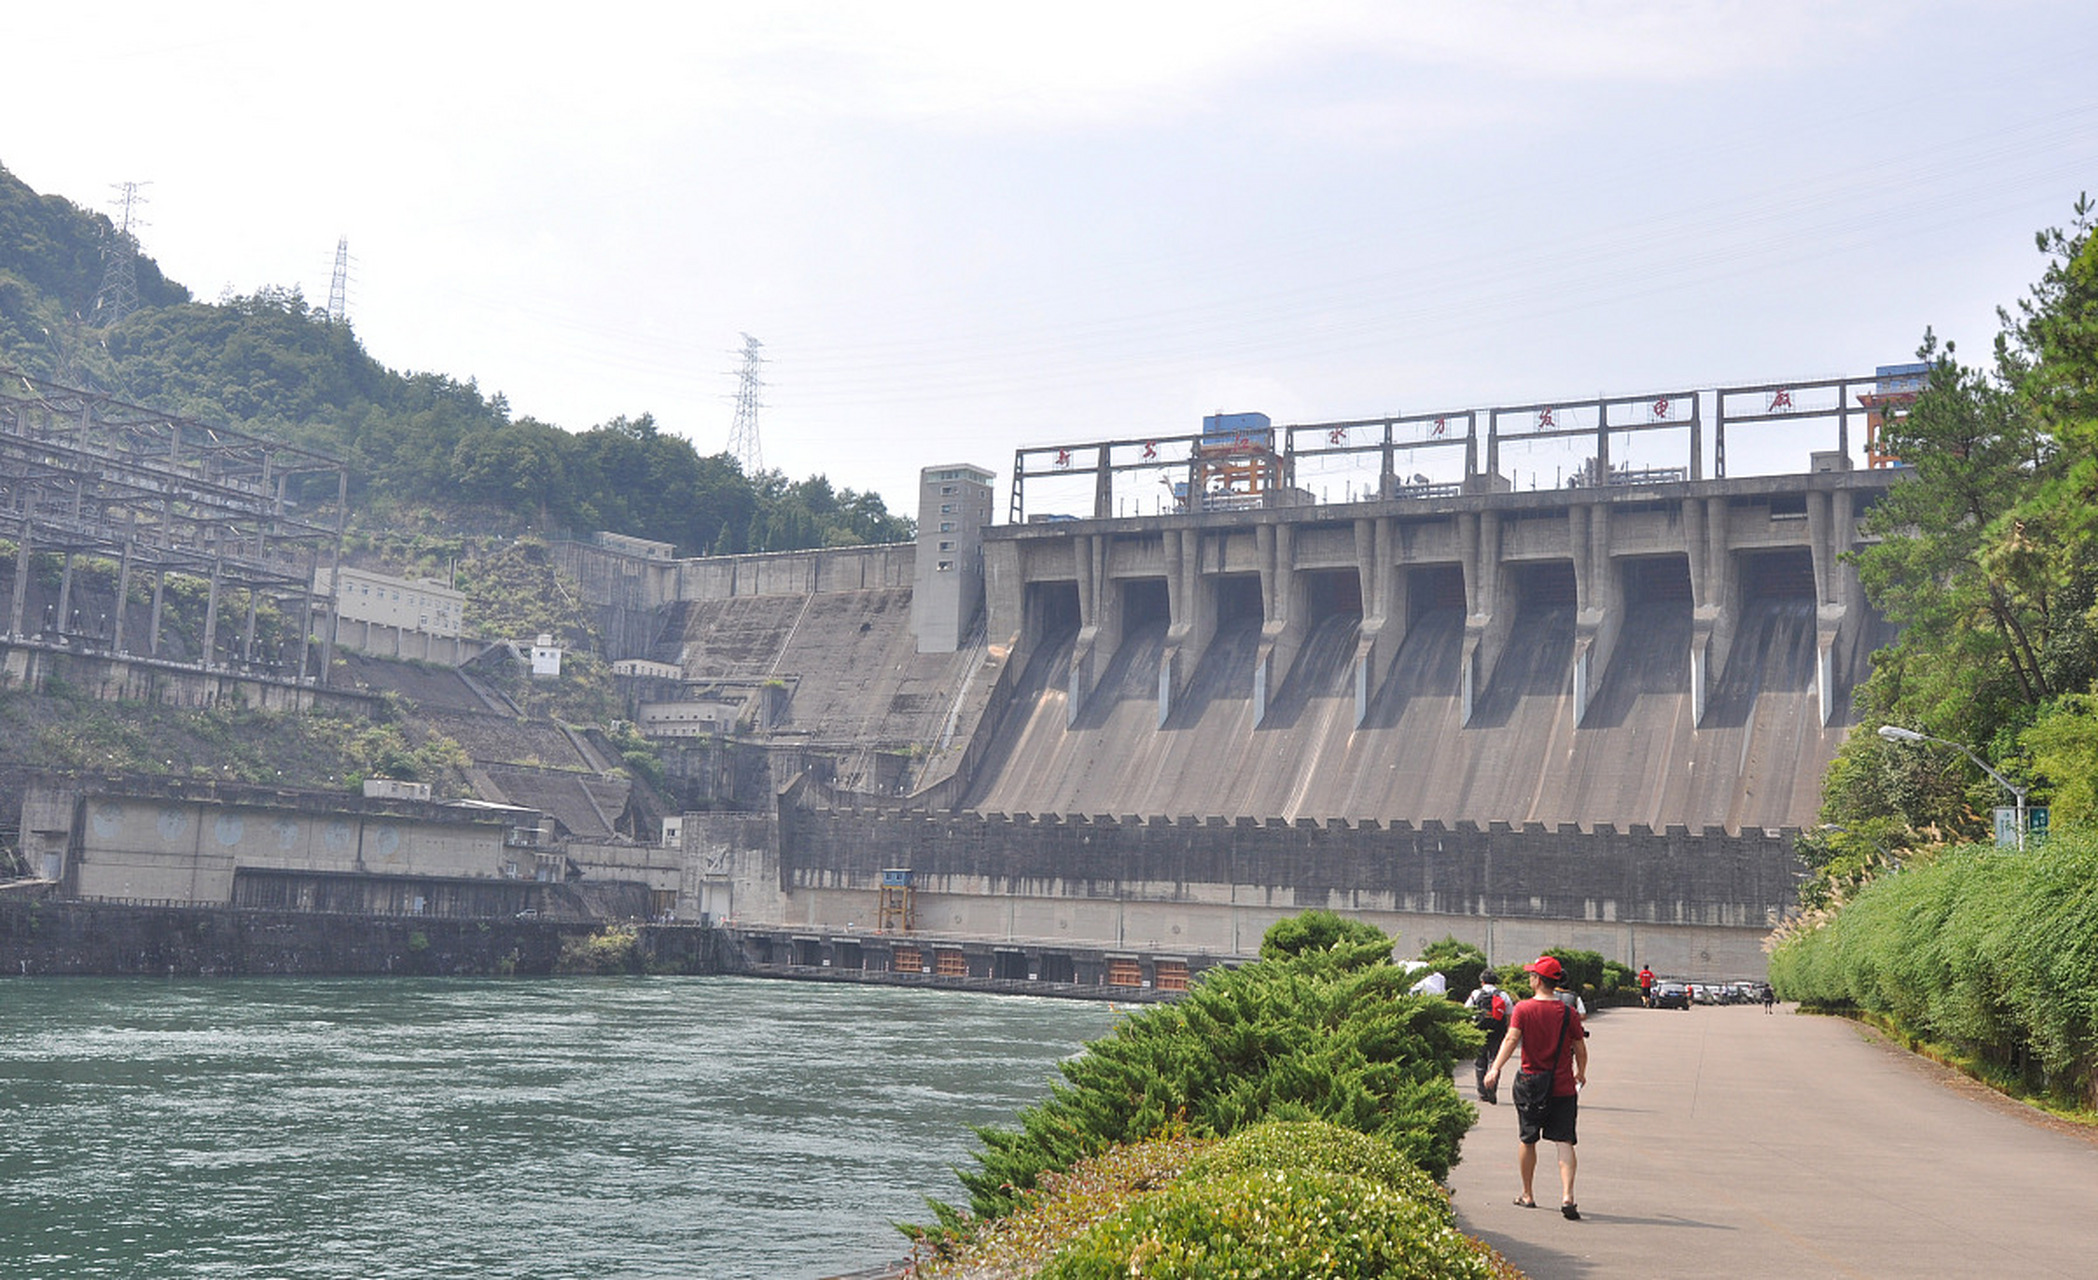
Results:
[1538, 675]
[1593, 714]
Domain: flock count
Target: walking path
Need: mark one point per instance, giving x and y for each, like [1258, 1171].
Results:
[1727, 1142]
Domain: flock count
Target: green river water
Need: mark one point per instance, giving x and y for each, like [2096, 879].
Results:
[643, 1127]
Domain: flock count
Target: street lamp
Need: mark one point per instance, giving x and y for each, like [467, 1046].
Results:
[1895, 733]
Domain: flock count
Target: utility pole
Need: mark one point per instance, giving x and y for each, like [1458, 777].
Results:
[339, 284]
[118, 296]
[743, 436]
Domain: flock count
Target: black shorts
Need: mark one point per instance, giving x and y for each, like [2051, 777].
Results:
[1559, 1116]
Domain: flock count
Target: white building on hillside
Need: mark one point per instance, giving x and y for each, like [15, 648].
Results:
[409, 604]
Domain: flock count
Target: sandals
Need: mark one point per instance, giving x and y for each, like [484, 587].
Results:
[1521, 1203]
[1570, 1211]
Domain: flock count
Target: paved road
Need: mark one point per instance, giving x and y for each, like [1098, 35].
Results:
[1725, 1142]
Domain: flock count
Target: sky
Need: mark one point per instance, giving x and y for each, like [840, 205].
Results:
[961, 229]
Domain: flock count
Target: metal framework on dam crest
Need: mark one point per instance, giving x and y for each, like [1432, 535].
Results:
[1242, 460]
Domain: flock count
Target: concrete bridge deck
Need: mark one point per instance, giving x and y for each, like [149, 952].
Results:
[1724, 1142]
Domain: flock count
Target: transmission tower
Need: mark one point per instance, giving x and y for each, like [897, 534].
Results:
[743, 436]
[118, 296]
[339, 283]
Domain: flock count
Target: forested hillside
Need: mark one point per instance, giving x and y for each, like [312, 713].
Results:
[272, 364]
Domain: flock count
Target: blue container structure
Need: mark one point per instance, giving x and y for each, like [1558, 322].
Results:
[898, 908]
[1238, 429]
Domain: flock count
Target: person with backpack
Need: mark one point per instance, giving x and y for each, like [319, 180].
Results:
[1547, 1033]
[1491, 1008]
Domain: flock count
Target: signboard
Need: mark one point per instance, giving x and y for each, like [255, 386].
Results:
[2007, 826]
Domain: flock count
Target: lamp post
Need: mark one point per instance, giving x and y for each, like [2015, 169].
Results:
[1895, 733]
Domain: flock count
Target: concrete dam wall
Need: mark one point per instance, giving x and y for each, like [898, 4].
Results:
[1575, 658]
[1639, 756]
[1590, 717]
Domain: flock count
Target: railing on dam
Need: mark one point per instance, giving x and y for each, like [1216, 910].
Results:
[1573, 442]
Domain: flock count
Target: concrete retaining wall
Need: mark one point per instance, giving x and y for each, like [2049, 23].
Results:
[48, 937]
[33, 667]
[1697, 904]
[795, 573]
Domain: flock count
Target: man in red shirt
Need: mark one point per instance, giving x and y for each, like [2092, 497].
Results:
[1548, 1034]
[1646, 986]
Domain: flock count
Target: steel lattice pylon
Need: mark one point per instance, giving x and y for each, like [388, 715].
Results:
[339, 283]
[743, 436]
[118, 295]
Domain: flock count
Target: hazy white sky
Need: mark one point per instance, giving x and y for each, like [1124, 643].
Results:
[960, 228]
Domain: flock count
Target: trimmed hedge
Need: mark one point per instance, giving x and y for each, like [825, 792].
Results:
[1993, 951]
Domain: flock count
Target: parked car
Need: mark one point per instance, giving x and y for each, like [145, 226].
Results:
[1671, 995]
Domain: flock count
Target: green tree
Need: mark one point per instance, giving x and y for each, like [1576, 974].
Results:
[2064, 748]
[1954, 567]
[1987, 558]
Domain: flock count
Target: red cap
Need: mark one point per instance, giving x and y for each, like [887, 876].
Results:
[1546, 967]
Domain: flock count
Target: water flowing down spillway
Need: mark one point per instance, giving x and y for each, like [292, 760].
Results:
[1638, 757]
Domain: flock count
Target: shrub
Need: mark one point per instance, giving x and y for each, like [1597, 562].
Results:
[1992, 951]
[1618, 978]
[1584, 969]
[1273, 1222]
[1278, 1199]
[1329, 1035]
[615, 949]
[1321, 1148]
[1063, 1207]
[1460, 963]
[1316, 931]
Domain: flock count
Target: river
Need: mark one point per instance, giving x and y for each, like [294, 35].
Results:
[642, 1127]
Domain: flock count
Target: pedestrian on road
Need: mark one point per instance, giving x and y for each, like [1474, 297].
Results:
[1646, 986]
[1490, 1008]
[1769, 998]
[1547, 1033]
